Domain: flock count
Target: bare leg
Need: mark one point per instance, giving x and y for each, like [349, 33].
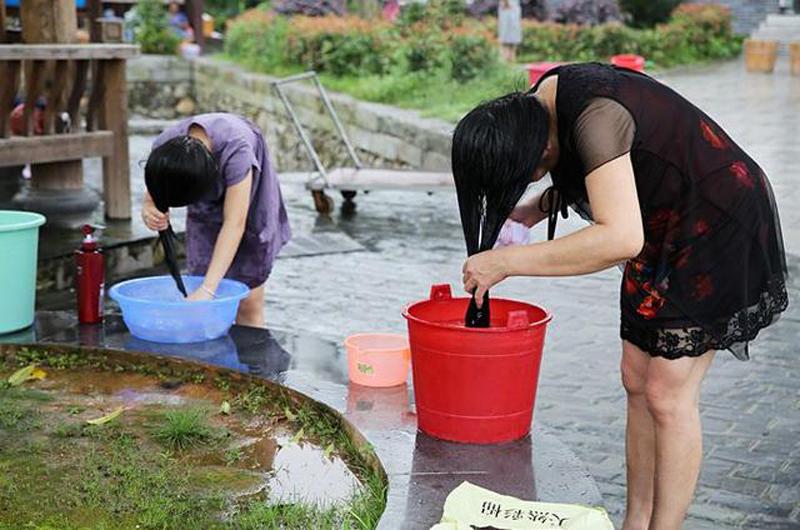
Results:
[251, 309]
[505, 52]
[640, 441]
[512, 53]
[673, 398]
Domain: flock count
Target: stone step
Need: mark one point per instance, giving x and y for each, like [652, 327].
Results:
[781, 36]
[782, 20]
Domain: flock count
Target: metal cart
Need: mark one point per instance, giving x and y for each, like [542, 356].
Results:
[351, 180]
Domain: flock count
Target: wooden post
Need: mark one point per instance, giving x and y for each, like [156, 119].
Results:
[113, 116]
[3, 37]
[9, 73]
[94, 10]
[8, 91]
[43, 22]
[56, 95]
[78, 87]
[194, 11]
[34, 86]
[47, 21]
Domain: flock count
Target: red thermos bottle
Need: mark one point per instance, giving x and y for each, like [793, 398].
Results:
[89, 278]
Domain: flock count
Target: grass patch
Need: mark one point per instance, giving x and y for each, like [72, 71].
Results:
[75, 409]
[17, 414]
[68, 430]
[434, 96]
[11, 414]
[289, 517]
[233, 456]
[66, 475]
[182, 429]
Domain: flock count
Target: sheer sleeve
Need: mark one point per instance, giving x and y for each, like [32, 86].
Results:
[603, 131]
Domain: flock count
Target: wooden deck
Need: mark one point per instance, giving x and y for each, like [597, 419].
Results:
[352, 179]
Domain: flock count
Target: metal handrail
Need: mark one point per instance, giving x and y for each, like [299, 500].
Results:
[304, 137]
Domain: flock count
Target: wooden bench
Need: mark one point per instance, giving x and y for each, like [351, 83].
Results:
[25, 68]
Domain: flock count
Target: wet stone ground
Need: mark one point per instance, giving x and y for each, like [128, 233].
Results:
[751, 411]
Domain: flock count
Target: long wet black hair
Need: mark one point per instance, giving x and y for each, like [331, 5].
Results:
[496, 149]
[180, 172]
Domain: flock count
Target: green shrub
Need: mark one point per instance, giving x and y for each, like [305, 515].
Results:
[412, 13]
[224, 10]
[351, 46]
[339, 45]
[424, 51]
[695, 32]
[434, 58]
[259, 40]
[648, 13]
[153, 32]
[470, 57]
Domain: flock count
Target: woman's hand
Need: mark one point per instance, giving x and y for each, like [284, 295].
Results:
[199, 295]
[482, 271]
[152, 217]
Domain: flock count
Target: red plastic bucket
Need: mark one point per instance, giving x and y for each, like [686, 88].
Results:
[629, 61]
[537, 70]
[475, 385]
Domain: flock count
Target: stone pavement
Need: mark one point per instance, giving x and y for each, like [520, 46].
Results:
[751, 411]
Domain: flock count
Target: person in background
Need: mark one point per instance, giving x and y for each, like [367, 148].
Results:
[391, 9]
[218, 164]
[179, 23]
[509, 28]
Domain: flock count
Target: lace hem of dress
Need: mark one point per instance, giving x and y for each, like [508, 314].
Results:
[732, 334]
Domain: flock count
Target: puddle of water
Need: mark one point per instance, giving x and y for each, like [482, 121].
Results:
[303, 474]
[274, 464]
[128, 389]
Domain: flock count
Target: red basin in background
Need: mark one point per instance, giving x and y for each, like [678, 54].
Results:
[630, 61]
[537, 70]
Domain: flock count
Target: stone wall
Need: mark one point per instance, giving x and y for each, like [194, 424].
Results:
[383, 136]
[169, 87]
[160, 86]
[747, 14]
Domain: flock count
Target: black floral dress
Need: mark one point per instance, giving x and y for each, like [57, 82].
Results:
[712, 272]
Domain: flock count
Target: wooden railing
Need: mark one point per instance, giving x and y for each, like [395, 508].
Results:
[61, 73]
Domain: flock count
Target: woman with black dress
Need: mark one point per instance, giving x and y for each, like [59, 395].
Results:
[669, 195]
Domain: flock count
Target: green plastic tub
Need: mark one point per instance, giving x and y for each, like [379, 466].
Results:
[19, 245]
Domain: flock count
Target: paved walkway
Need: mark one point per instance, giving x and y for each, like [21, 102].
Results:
[751, 411]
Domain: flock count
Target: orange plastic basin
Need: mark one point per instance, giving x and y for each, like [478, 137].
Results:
[378, 359]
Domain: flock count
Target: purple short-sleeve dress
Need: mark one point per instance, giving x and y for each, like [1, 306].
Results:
[237, 146]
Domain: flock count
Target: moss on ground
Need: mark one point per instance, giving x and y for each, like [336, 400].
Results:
[138, 471]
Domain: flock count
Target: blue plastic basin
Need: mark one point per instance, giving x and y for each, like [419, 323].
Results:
[154, 310]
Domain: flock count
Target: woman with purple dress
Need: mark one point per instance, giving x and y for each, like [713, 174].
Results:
[218, 165]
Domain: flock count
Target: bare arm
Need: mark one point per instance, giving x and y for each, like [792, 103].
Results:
[616, 236]
[235, 208]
